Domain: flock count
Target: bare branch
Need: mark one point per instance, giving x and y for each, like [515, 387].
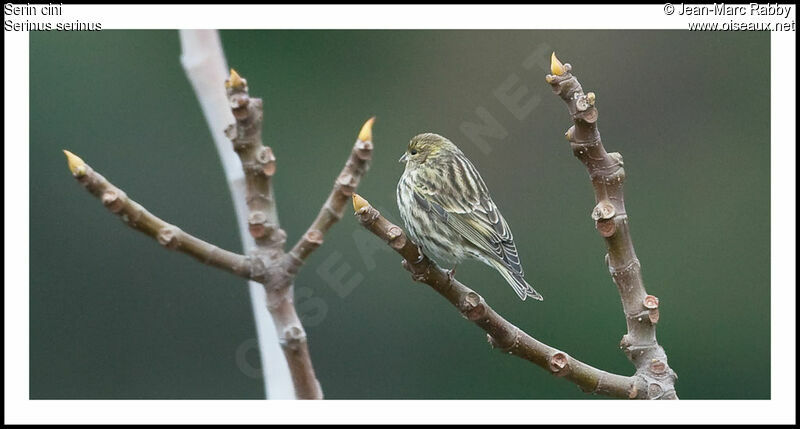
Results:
[138, 218]
[280, 268]
[267, 263]
[501, 333]
[258, 163]
[343, 189]
[611, 220]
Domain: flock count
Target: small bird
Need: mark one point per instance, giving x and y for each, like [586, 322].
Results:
[448, 212]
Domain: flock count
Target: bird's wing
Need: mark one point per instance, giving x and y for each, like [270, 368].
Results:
[467, 207]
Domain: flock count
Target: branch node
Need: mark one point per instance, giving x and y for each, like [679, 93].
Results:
[472, 306]
[239, 104]
[653, 315]
[625, 342]
[397, 240]
[604, 210]
[239, 101]
[650, 302]
[606, 227]
[314, 237]
[293, 337]
[168, 236]
[559, 364]
[258, 226]
[582, 102]
[658, 367]
[617, 157]
[589, 115]
[654, 391]
[367, 215]
[562, 85]
[277, 236]
[364, 150]
[266, 159]
[114, 200]
[346, 183]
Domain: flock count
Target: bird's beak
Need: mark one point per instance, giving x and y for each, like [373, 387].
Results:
[404, 158]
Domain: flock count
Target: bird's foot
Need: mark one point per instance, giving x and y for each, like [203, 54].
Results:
[451, 274]
[421, 255]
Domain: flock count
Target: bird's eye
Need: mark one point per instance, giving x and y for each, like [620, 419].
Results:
[413, 151]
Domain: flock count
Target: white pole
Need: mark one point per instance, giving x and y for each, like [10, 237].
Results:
[205, 65]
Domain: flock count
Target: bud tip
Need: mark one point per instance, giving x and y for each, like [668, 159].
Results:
[359, 202]
[556, 67]
[234, 80]
[76, 165]
[365, 134]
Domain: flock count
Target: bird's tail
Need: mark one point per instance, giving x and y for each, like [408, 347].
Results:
[518, 282]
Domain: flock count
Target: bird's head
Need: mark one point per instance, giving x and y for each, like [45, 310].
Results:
[427, 148]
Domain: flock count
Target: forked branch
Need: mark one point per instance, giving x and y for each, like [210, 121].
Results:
[138, 218]
[268, 263]
[611, 220]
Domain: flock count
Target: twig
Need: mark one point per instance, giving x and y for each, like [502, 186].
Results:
[343, 189]
[611, 220]
[258, 163]
[501, 333]
[168, 235]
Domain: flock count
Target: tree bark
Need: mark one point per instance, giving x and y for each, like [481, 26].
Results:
[607, 175]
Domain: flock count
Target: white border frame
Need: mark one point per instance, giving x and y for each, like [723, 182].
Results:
[19, 409]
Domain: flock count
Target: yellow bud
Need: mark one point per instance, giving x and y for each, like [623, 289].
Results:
[359, 203]
[75, 164]
[556, 67]
[235, 81]
[365, 134]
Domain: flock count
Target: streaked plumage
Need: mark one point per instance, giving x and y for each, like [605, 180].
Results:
[448, 211]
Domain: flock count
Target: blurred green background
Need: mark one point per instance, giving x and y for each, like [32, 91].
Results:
[113, 315]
